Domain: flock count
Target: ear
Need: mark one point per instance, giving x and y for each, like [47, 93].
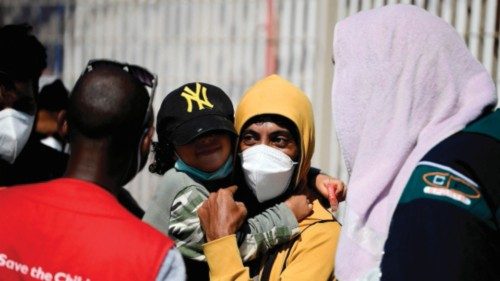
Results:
[62, 124]
[147, 140]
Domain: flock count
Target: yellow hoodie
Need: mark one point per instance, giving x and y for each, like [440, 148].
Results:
[275, 95]
[311, 255]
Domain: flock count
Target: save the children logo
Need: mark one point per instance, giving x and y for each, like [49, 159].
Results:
[445, 184]
[36, 272]
[191, 96]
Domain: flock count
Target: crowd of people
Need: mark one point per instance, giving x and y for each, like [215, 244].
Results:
[414, 113]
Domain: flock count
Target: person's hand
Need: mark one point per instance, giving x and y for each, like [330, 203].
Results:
[220, 215]
[299, 205]
[331, 188]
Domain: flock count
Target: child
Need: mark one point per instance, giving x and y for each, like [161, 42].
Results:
[196, 141]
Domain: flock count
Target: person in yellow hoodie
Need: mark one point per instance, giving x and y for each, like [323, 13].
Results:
[275, 124]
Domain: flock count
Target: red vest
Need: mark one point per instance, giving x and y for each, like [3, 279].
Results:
[72, 230]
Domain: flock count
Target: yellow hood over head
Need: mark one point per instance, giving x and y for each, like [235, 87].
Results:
[277, 96]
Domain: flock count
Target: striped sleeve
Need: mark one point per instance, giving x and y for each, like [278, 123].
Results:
[185, 226]
[268, 229]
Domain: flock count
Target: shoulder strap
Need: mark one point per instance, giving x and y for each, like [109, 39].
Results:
[268, 264]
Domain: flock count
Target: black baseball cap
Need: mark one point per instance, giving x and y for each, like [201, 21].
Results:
[193, 109]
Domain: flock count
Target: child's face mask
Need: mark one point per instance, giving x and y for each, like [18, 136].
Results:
[268, 171]
[15, 129]
[220, 173]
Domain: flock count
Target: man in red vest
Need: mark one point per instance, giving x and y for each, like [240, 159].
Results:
[74, 228]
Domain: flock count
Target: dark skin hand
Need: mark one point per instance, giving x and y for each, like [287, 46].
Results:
[220, 215]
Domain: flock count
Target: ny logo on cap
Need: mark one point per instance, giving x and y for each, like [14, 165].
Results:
[191, 96]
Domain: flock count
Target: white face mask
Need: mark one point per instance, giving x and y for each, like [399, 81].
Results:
[15, 129]
[267, 171]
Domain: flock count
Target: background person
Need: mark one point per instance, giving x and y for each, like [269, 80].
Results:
[23, 158]
[53, 99]
[404, 89]
[75, 225]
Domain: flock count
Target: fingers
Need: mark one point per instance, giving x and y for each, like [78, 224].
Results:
[201, 210]
[340, 191]
[300, 206]
[220, 215]
[222, 193]
[309, 204]
[204, 215]
[241, 205]
[232, 189]
[332, 197]
[242, 208]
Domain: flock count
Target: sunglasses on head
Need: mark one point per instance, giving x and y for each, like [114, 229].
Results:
[144, 76]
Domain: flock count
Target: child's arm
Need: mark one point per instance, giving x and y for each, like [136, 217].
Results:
[330, 188]
[184, 226]
[272, 227]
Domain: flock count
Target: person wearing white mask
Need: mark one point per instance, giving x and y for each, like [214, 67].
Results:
[22, 60]
[195, 156]
[16, 127]
[276, 143]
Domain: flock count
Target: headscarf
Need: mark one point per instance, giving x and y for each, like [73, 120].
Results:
[404, 81]
[275, 95]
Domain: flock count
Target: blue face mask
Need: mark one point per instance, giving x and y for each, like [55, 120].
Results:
[222, 172]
